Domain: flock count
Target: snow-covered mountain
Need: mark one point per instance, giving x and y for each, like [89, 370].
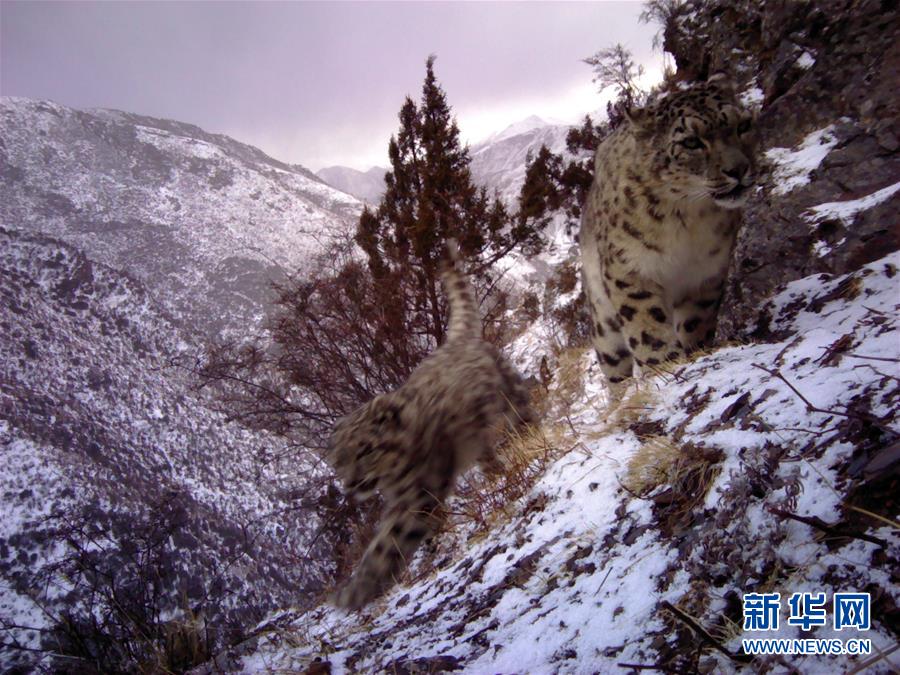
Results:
[203, 220]
[499, 162]
[112, 472]
[365, 185]
[524, 126]
[125, 243]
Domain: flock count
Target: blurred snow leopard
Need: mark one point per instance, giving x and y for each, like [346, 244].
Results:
[412, 443]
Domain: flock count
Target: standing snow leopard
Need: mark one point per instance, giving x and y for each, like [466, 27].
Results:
[659, 225]
[412, 443]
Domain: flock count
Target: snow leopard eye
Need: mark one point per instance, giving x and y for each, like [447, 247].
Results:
[692, 143]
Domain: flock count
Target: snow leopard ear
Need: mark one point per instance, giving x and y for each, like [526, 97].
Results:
[637, 117]
[642, 119]
[721, 81]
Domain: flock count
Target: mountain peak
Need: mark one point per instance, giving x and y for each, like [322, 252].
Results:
[521, 127]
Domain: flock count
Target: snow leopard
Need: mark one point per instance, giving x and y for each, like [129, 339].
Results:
[411, 444]
[659, 225]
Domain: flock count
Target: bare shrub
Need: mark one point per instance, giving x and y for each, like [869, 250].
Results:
[121, 603]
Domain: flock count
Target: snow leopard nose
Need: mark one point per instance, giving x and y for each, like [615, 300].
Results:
[737, 170]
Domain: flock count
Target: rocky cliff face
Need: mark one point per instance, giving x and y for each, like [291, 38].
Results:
[826, 76]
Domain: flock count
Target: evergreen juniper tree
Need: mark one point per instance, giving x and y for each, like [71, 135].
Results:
[355, 328]
[430, 197]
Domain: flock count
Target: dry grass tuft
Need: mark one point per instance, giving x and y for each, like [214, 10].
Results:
[654, 464]
[566, 387]
[487, 497]
[186, 644]
[850, 288]
[639, 399]
[689, 479]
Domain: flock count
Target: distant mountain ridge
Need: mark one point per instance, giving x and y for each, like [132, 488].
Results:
[365, 185]
[498, 162]
[204, 220]
[523, 126]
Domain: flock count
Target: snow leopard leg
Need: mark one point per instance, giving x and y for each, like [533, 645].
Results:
[410, 517]
[646, 322]
[608, 341]
[695, 317]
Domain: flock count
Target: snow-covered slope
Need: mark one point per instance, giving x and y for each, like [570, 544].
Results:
[684, 498]
[125, 242]
[110, 466]
[205, 222]
[365, 185]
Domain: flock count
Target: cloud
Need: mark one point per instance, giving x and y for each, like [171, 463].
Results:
[314, 83]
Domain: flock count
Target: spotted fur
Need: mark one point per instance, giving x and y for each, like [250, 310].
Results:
[412, 443]
[659, 225]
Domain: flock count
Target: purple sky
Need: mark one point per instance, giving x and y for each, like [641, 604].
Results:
[314, 83]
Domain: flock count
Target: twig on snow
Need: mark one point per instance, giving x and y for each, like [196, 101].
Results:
[819, 524]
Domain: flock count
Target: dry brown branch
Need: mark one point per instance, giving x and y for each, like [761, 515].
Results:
[819, 524]
[868, 663]
[872, 358]
[650, 666]
[825, 411]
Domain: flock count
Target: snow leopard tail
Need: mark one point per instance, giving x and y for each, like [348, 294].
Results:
[464, 319]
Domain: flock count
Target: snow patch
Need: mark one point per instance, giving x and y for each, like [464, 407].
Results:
[792, 167]
[846, 210]
[752, 98]
[806, 61]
